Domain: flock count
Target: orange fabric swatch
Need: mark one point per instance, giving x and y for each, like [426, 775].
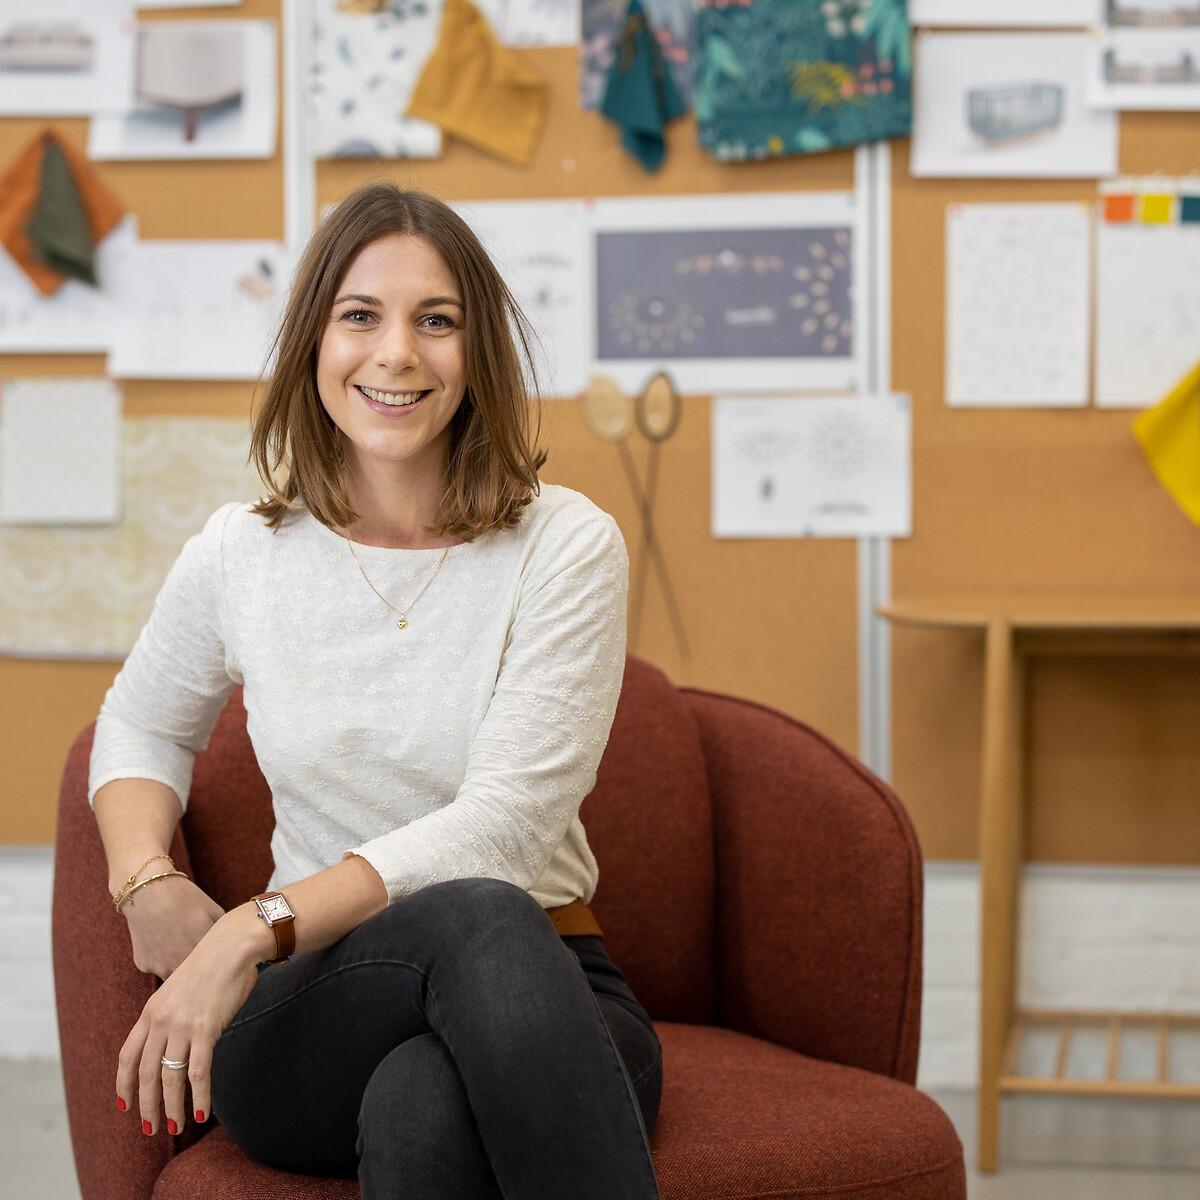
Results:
[1118, 207]
[19, 186]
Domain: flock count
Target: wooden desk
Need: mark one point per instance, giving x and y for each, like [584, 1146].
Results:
[1015, 629]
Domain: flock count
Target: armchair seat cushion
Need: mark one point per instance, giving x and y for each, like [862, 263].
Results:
[743, 1118]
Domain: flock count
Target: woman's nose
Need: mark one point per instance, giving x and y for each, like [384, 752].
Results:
[398, 349]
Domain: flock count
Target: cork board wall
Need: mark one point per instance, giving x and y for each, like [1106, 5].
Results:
[1003, 501]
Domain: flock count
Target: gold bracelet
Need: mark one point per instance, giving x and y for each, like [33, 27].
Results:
[120, 895]
[143, 882]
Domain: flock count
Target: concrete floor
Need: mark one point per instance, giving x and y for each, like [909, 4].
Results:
[1053, 1149]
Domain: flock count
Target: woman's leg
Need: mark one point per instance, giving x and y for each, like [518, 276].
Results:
[476, 963]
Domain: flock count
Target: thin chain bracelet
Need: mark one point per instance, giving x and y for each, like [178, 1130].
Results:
[120, 895]
[143, 882]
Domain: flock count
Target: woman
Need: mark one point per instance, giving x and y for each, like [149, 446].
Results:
[431, 646]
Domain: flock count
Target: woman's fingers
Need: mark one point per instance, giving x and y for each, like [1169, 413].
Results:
[150, 1072]
[128, 1061]
[174, 1085]
[200, 1074]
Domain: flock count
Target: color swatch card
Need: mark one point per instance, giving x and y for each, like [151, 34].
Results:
[808, 466]
[1147, 290]
[60, 452]
[1017, 297]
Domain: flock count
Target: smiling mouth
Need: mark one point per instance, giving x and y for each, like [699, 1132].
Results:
[392, 399]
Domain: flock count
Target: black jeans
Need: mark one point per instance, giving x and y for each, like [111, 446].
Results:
[454, 1047]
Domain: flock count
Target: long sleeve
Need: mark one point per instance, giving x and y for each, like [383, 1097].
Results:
[535, 754]
[165, 700]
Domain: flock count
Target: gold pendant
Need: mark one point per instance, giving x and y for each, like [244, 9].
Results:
[402, 622]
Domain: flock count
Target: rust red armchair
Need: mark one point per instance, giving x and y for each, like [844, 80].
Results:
[760, 889]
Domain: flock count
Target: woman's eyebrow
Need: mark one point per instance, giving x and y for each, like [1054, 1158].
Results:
[428, 302]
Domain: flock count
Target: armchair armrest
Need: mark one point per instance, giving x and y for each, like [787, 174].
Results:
[819, 892]
[99, 995]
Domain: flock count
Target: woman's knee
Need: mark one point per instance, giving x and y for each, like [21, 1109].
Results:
[458, 910]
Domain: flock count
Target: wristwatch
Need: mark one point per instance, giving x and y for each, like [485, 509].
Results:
[275, 910]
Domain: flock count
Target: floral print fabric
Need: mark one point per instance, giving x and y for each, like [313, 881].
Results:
[777, 77]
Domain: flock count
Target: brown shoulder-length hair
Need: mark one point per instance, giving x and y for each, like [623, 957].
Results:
[492, 461]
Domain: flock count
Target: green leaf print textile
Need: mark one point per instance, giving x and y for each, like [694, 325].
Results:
[777, 77]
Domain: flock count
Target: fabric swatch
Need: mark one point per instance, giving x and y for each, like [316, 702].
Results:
[774, 77]
[60, 452]
[674, 25]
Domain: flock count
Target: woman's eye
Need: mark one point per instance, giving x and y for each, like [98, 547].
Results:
[356, 312]
[445, 322]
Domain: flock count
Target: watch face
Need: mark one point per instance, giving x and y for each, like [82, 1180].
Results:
[275, 908]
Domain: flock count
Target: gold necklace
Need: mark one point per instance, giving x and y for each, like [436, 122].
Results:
[401, 619]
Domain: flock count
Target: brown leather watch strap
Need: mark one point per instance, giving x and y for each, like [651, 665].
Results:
[285, 932]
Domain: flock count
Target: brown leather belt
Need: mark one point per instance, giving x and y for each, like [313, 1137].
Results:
[574, 920]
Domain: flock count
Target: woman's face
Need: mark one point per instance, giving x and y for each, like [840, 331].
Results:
[391, 361]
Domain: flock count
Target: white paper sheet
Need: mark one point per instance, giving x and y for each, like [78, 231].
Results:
[1023, 13]
[243, 126]
[364, 69]
[85, 592]
[540, 248]
[60, 451]
[1147, 310]
[541, 22]
[1146, 68]
[196, 309]
[1017, 305]
[66, 57]
[1008, 105]
[740, 293]
[75, 320]
[805, 466]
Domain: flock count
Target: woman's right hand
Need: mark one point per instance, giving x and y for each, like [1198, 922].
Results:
[166, 920]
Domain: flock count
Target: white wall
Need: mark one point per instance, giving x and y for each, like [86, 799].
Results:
[1091, 937]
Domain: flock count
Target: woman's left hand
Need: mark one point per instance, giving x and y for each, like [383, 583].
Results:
[184, 1019]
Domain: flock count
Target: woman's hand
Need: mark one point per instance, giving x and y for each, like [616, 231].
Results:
[166, 920]
[184, 1019]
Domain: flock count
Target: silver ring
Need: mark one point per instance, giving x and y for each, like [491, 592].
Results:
[175, 1065]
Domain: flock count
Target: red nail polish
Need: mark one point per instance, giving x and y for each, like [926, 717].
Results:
[145, 1126]
[171, 1126]
[120, 1104]
[200, 1116]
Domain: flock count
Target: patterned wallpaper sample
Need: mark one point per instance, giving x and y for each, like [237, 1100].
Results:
[674, 24]
[85, 592]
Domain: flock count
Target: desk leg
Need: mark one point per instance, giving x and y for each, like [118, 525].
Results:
[1000, 838]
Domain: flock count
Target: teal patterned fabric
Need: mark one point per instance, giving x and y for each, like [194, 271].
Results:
[777, 77]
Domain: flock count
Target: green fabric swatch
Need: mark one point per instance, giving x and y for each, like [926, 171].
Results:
[640, 96]
[58, 228]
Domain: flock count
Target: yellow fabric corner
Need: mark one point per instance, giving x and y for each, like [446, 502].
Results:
[1170, 436]
[478, 90]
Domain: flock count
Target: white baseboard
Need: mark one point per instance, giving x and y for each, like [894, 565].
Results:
[1108, 937]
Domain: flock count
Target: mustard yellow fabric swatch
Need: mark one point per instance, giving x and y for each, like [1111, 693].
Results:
[476, 89]
[1156, 208]
[1170, 436]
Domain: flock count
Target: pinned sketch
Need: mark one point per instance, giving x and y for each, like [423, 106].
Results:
[60, 451]
[70, 58]
[1151, 14]
[674, 25]
[1008, 104]
[1017, 305]
[541, 250]
[1147, 300]
[534, 22]
[195, 309]
[152, 4]
[71, 592]
[203, 89]
[738, 292]
[1062, 14]
[366, 61]
[76, 319]
[1151, 68]
[812, 467]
